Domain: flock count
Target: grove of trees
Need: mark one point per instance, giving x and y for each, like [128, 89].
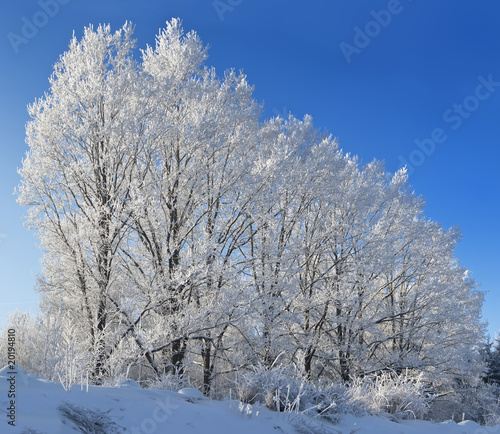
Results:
[182, 233]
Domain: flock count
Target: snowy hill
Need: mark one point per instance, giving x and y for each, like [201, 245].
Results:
[46, 407]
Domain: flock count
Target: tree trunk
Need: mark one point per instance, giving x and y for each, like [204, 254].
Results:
[178, 353]
[308, 361]
[206, 353]
[344, 366]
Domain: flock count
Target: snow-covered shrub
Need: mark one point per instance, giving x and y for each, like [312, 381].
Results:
[328, 401]
[403, 396]
[462, 400]
[486, 401]
[87, 420]
[279, 388]
[32, 344]
[47, 346]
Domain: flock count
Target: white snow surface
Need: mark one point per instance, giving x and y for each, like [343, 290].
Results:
[136, 410]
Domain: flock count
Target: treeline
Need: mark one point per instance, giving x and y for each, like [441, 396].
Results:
[184, 234]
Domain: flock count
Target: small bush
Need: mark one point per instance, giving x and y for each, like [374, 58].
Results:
[88, 421]
[403, 396]
[331, 401]
[279, 388]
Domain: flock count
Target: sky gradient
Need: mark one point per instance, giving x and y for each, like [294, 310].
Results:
[406, 82]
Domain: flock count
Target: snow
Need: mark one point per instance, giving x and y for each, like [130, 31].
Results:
[193, 393]
[130, 409]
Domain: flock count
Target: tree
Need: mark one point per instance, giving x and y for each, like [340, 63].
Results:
[84, 139]
[492, 359]
[190, 217]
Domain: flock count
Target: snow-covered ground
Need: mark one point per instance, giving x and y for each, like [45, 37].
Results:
[46, 407]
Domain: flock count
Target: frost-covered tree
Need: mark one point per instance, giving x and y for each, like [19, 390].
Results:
[190, 215]
[84, 140]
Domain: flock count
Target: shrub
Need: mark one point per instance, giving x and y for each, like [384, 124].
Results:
[89, 421]
[403, 396]
[279, 388]
[478, 402]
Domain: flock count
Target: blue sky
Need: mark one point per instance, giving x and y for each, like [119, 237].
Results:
[406, 82]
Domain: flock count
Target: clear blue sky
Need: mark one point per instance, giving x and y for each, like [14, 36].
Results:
[379, 75]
